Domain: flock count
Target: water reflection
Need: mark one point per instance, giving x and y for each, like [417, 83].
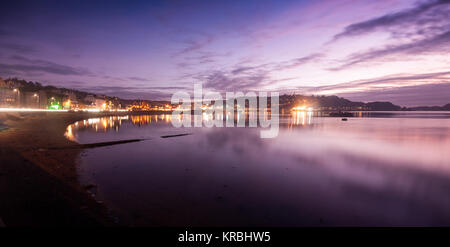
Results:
[114, 123]
[142, 120]
[301, 118]
[318, 171]
[105, 124]
[404, 114]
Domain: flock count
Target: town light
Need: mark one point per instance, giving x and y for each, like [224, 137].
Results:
[67, 104]
[54, 107]
[299, 108]
[303, 108]
[205, 107]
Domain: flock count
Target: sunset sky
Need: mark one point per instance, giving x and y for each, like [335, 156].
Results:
[394, 51]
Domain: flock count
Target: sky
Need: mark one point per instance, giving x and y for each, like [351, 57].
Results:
[395, 50]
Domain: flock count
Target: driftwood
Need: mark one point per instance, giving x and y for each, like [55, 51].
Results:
[177, 135]
[99, 144]
[103, 144]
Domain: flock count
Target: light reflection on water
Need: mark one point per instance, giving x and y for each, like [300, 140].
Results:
[370, 170]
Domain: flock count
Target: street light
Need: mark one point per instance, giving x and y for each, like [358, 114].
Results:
[15, 90]
[38, 99]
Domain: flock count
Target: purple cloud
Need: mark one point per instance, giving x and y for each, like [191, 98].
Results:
[26, 65]
[437, 44]
[422, 14]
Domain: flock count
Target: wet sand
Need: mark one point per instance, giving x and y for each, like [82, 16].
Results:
[38, 179]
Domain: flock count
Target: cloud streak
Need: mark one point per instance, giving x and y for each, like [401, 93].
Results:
[223, 81]
[195, 44]
[415, 16]
[26, 65]
[421, 30]
[131, 92]
[250, 77]
[135, 78]
[437, 44]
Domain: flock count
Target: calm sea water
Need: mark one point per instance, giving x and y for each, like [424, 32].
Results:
[376, 169]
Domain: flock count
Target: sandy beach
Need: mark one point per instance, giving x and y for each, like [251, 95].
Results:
[38, 179]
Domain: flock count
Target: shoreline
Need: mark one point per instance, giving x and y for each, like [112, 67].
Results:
[39, 185]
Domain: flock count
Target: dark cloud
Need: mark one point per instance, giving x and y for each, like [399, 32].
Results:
[243, 77]
[275, 66]
[195, 44]
[441, 76]
[223, 81]
[424, 29]
[135, 78]
[25, 65]
[241, 69]
[114, 78]
[421, 14]
[437, 44]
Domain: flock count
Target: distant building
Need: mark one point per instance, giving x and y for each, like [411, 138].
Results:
[43, 103]
[30, 100]
[54, 101]
[8, 98]
[70, 101]
[89, 99]
[100, 103]
[3, 83]
[139, 106]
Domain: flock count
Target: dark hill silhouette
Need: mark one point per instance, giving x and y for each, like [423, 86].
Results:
[383, 106]
[431, 108]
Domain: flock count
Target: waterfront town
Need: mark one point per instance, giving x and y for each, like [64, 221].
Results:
[24, 95]
[27, 95]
